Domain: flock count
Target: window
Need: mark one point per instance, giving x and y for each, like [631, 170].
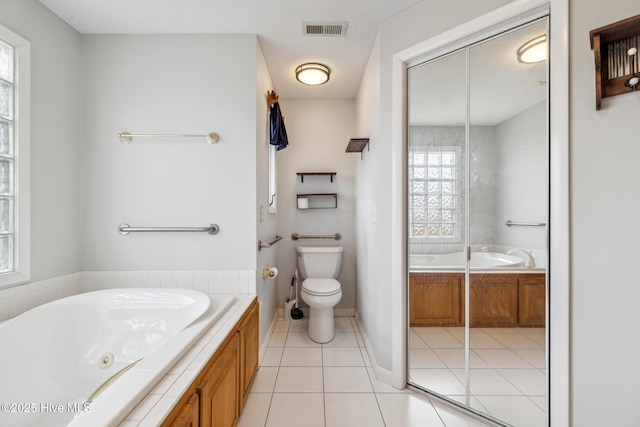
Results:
[433, 193]
[14, 158]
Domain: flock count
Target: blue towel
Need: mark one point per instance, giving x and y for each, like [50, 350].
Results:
[278, 131]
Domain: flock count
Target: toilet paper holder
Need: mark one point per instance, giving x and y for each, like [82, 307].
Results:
[269, 272]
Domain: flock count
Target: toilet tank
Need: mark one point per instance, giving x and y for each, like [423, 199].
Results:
[319, 261]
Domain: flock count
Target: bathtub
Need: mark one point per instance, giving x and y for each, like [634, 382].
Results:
[456, 261]
[87, 360]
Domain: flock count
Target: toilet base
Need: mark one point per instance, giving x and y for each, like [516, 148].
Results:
[321, 324]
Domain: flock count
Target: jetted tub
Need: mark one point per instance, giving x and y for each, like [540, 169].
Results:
[456, 261]
[89, 359]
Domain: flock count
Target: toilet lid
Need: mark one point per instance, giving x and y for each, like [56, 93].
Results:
[321, 286]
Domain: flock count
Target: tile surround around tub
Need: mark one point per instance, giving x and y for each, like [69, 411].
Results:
[218, 282]
[18, 299]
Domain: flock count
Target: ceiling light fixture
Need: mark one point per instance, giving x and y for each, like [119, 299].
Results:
[312, 74]
[533, 51]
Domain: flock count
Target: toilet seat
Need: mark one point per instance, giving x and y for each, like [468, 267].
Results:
[321, 287]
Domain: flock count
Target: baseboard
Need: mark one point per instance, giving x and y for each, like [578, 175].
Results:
[382, 375]
[265, 344]
[338, 312]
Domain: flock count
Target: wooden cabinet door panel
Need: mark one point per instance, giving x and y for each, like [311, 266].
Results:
[249, 336]
[532, 300]
[220, 390]
[435, 300]
[493, 300]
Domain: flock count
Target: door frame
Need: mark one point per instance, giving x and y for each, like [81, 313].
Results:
[558, 308]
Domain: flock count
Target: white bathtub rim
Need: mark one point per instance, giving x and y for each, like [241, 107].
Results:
[121, 397]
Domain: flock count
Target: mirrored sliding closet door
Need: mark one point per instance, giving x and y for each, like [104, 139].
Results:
[477, 215]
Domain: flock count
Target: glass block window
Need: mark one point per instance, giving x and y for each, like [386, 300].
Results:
[7, 184]
[432, 193]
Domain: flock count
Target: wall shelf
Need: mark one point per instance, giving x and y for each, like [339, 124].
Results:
[317, 201]
[356, 145]
[303, 174]
[610, 45]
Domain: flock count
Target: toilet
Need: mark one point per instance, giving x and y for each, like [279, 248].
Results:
[319, 267]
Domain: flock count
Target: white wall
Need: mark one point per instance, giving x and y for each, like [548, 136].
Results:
[267, 224]
[605, 231]
[55, 136]
[318, 132]
[169, 84]
[521, 194]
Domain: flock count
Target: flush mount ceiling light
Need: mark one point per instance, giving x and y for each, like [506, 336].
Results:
[312, 74]
[533, 51]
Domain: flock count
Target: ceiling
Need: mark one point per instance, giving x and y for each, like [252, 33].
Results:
[500, 87]
[278, 24]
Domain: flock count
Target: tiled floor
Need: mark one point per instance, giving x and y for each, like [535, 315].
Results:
[302, 383]
[507, 369]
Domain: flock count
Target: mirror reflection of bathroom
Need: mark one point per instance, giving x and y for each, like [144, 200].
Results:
[478, 178]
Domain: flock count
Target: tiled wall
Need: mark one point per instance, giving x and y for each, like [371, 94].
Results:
[17, 300]
[210, 282]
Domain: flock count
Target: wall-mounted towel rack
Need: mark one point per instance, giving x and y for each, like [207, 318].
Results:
[510, 223]
[126, 137]
[296, 236]
[125, 229]
[268, 245]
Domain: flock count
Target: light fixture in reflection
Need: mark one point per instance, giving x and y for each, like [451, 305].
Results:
[533, 51]
[312, 74]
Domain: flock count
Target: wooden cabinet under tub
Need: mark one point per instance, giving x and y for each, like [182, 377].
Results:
[495, 300]
[217, 395]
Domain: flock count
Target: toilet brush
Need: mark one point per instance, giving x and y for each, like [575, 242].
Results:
[296, 313]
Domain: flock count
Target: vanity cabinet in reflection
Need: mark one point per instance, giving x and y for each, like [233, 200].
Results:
[436, 299]
[495, 300]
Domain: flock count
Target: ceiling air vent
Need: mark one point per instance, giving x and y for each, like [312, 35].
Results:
[334, 29]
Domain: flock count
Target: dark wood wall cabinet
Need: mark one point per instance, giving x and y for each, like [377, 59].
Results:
[613, 64]
[217, 396]
[495, 300]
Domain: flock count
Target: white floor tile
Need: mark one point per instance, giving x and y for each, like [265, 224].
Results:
[352, 409]
[347, 379]
[342, 356]
[296, 409]
[530, 382]
[272, 356]
[454, 358]
[301, 356]
[502, 358]
[535, 357]
[286, 394]
[300, 325]
[442, 381]
[514, 341]
[300, 339]
[408, 410]
[488, 382]
[255, 410]
[343, 339]
[519, 411]
[454, 418]
[343, 324]
[424, 358]
[265, 380]
[278, 339]
[282, 326]
[416, 342]
[445, 340]
[293, 379]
